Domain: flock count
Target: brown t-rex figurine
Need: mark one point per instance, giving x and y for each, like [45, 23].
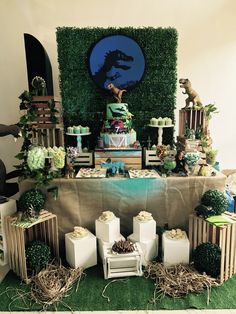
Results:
[193, 96]
[117, 93]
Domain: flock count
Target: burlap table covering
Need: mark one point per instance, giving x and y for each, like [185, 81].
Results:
[81, 201]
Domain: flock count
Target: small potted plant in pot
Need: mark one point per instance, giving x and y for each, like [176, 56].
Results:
[211, 155]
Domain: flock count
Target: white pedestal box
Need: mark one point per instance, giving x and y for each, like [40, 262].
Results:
[81, 252]
[108, 231]
[175, 251]
[121, 265]
[149, 248]
[144, 231]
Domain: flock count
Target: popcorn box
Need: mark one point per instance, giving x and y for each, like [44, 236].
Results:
[120, 265]
[108, 231]
[149, 248]
[175, 251]
[81, 252]
[144, 230]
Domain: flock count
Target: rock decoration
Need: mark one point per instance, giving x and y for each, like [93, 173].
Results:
[106, 216]
[79, 232]
[122, 247]
[144, 216]
[175, 234]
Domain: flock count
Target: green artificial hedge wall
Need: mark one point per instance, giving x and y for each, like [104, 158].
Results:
[154, 96]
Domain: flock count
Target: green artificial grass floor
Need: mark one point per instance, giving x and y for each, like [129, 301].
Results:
[133, 293]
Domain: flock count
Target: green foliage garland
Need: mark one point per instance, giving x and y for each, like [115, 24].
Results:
[206, 258]
[153, 97]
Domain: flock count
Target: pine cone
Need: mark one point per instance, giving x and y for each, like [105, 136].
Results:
[122, 247]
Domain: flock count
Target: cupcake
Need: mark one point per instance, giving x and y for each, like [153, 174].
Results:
[160, 121]
[168, 121]
[70, 129]
[83, 129]
[153, 121]
[77, 129]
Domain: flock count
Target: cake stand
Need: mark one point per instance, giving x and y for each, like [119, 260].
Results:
[79, 139]
[160, 130]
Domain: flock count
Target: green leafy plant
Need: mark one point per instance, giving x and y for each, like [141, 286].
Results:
[216, 200]
[33, 199]
[206, 258]
[210, 155]
[209, 110]
[38, 255]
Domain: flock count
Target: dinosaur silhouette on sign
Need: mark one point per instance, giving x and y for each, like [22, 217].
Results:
[113, 59]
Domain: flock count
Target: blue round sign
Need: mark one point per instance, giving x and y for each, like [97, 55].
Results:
[116, 59]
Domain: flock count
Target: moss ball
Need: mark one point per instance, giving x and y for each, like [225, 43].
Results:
[32, 199]
[206, 258]
[38, 255]
[216, 200]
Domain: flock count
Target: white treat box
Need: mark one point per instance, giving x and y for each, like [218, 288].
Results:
[108, 231]
[149, 248]
[144, 231]
[81, 252]
[175, 251]
[121, 265]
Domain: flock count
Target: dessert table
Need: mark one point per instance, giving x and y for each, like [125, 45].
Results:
[170, 200]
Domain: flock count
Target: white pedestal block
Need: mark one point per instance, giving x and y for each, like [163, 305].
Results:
[81, 252]
[175, 251]
[144, 231]
[149, 248]
[108, 231]
[121, 265]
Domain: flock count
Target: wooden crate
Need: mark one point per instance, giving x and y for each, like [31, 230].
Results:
[191, 118]
[201, 231]
[45, 229]
[131, 158]
[84, 159]
[151, 158]
[43, 114]
[48, 137]
[189, 145]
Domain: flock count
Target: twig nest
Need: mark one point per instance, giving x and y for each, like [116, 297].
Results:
[122, 247]
[144, 216]
[107, 216]
[79, 232]
[175, 234]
